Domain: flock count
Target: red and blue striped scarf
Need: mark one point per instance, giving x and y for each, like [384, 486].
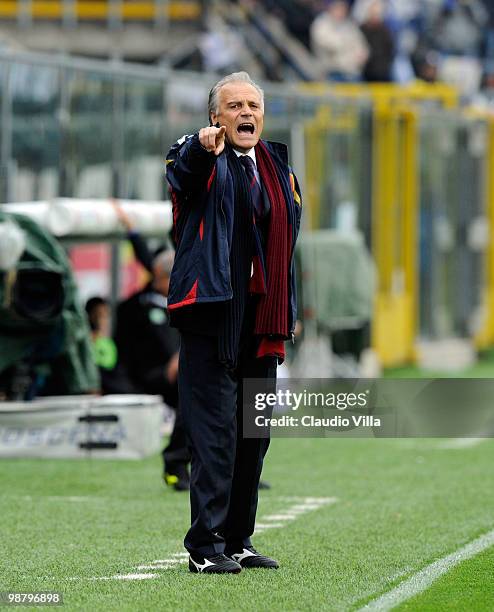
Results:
[272, 311]
[269, 282]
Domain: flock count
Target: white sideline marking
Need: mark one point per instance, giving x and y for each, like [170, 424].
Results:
[422, 580]
[303, 505]
[62, 498]
[280, 517]
[69, 498]
[459, 443]
[263, 526]
[293, 512]
[135, 576]
[319, 501]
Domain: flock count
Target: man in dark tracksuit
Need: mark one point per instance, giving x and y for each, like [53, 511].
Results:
[148, 371]
[236, 209]
[148, 353]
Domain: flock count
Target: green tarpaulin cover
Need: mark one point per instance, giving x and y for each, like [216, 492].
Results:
[72, 357]
[338, 278]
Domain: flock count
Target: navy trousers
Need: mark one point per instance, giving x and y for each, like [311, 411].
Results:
[225, 467]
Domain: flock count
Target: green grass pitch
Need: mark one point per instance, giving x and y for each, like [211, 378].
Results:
[401, 504]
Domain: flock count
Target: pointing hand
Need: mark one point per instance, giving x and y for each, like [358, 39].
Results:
[213, 139]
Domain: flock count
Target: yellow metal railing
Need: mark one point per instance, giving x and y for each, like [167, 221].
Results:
[319, 156]
[394, 199]
[485, 336]
[389, 93]
[396, 149]
[394, 233]
[317, 163]
[97, 10]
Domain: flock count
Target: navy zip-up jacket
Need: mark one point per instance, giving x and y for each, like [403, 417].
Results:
[202, 194]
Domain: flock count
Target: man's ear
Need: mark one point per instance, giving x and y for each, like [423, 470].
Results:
[212, 119]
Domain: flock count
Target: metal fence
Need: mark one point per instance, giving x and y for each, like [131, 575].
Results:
[405, 166]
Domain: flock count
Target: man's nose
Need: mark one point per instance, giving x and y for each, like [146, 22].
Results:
[246, 110]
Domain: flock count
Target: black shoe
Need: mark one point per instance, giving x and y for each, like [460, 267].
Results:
[216, 564]
[178, 482]
[264, 485]
[249, 558]
[176, 475]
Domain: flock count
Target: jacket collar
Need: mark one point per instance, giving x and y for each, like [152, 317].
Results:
[278, 149]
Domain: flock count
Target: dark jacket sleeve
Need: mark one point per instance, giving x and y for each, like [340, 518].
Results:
[141, 251]
[189, 165]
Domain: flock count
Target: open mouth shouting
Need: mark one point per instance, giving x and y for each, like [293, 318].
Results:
[246, 128]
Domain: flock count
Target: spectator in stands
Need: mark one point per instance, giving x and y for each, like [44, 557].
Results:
[426, 64]
[459, 28]
[297, 15]
[381, 45]
[489, 7]
[403, 18]
[338, 43]
[489, 48]
[220, 47]
[457, 36]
